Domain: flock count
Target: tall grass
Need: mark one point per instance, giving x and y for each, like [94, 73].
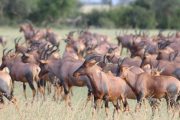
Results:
[52, 110]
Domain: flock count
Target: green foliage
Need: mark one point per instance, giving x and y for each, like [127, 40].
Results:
[129, 17]
[139, 14]
[3, 3]
[147, 4]
[14, 11]
[174, 22]
[52, 10]
[106, 23]
[94, 16]
[142, 14]
[36, 10]
[139, 17]
[166, 11]
[18, 9]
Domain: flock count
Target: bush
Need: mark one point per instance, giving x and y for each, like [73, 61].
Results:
[92, 18]
[52, 10]
[173, 20]
[138, 17]
[140, 14]
[128, 17]
[106, 23]
[18, 9]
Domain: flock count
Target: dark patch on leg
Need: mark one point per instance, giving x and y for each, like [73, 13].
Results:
[29, 78]
[139, 100]
[1, 100]
[24, 89]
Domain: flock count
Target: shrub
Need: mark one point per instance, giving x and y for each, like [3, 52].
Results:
[106, 23]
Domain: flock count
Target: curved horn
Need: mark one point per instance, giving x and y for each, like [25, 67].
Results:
[4, 50]
[162, 69]
[157, 66]
[16, 40]
[43, 54]
[120, 62]
[176, 54]
[119, 67]
[146, 49]
[9, 51]
[51, 53]
[105, 58]
[143, 57]
[88, 58]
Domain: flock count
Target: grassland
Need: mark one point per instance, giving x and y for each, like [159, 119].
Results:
[51, 110]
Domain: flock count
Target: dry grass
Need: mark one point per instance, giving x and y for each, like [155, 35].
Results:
[51, 110]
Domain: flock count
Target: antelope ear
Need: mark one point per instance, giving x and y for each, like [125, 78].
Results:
[90, 63]
[148, 66]
[173, 55]
[43, 61]
[125, 69]
[105, 59]
[162, 69]
[26, 54]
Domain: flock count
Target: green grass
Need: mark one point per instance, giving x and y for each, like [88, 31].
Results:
[51, 110]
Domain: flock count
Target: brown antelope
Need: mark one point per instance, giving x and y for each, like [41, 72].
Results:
[63, 69]
[125, 41]
[66, 76]
[6, 87]
[156, 86]
[52, 37]
[115, 68]
[34, 56]
[170, 68]
[26, 72]
[19, 48]
[28, 31]
[77, 44]
[51, 66]
[105, 86]
[169, 54]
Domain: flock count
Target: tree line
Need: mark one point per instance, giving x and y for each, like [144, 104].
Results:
[145, 14]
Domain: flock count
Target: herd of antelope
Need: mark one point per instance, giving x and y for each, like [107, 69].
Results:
[151, 72]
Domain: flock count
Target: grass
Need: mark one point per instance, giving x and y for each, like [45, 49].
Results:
[51, 110]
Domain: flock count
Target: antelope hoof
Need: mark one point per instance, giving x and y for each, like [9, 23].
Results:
[126, 109]
[14, 100]
[93, 112]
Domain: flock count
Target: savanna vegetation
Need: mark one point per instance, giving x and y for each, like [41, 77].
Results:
[51, 110]
[162, 14]
[63, 17]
